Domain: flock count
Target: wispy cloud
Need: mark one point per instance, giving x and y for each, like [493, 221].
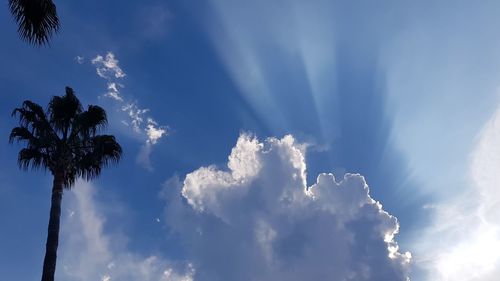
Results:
[113, 91]
[462, 242]
[137, 118]
[90, 253]
[152, 130]
[107, 66]
[80, 59]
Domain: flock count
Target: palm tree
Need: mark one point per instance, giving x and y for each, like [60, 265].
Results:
[64, 140]
[37, 20]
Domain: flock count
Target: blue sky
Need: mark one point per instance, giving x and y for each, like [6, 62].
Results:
[227, 110]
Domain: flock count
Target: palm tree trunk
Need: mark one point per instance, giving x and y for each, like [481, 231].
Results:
[49, 262]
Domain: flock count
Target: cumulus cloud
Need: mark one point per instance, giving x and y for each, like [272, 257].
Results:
[463, 241]
[258, 220]
[89, 253]
[108, 68]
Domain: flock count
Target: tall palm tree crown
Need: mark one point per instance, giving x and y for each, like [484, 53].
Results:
[37, 20]
[63, 139]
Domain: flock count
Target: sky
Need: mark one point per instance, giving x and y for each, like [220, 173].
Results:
[266, 140]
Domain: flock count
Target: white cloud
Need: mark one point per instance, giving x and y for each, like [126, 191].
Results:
[80, 59]
[107, 66]
[113, 91]
[87, 252]
[463, 241]
[151, 130]
[135, 114]
[258, 220]
[154, 132]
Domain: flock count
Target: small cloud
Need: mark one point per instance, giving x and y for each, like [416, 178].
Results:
[135, 114]
[107, 66]
[150, 130]
[113, 91]
[80, 59]
[429, 206]
[154, 132]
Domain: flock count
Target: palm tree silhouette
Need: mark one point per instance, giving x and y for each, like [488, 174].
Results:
[37, 20]
[64, 140]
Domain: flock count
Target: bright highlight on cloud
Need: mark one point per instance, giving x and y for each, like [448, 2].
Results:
[258, 220]
[107, 67]
[89, 253]
[463, 242]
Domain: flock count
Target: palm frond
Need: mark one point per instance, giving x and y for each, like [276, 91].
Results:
[37, 20]
[32, 117]
[103, 150]
[89, 122]
[34, 158]
[108, 148]
[20, 134]
[26, 117]
[70, 177]
[63, 110]
[29, 112]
